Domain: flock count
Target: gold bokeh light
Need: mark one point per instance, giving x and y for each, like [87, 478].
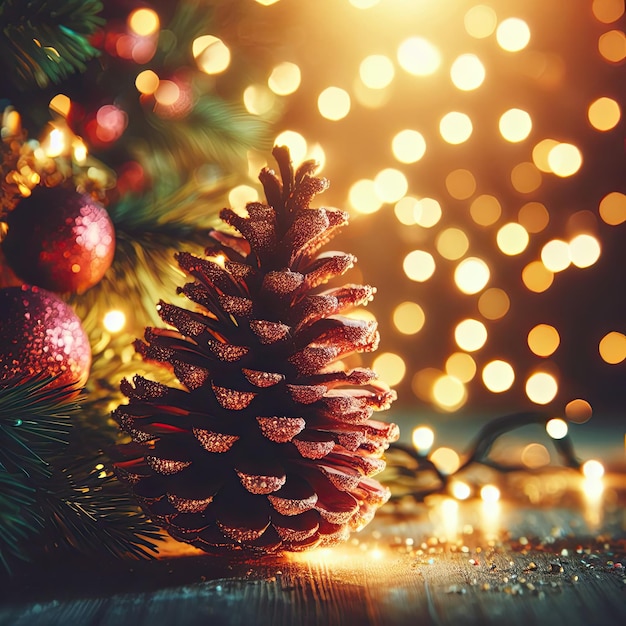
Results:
[147, 82]
[604, 113]
[471, 275]
[408, 146]
[556, 428]
[470, 335]
[535, 455]
[390, 367]
[480, 21]
[584, 250]
[543, 340]
[405, 210]
[428, 212]
[578, 411]
[452, 243]
[613, 208]
[390, 185]
[446, 460]
[418, 56]
[211, 54]
[526, 177]
[607, 11]
[284, 78]
[541, 152]
[494, 303]
[537, 277]
[144, 22]
[114, 321]
[334, 103]
[409, 318]
[565, 159]
[498, 376]
[423, 438]
[512, 239]
[515, 125]
[376, 71]
[258, 99]
[455, 127]
[534, 217]
[296, 143]
[467, 72]
[419, 265]
[612, 46]
[461, 366]
[449, 393]
[513, 34]
[485, 210]
[612, 347]
[555, 255]
[541, 387]
[363, 197]
[461, 184]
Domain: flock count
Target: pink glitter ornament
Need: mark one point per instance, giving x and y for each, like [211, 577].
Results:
[41, 334]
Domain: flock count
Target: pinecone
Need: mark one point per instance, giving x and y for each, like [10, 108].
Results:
[269, 445]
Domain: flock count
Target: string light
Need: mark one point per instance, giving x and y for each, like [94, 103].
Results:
[114, 321]
[285, 78]
[423, 438]
[211, 54]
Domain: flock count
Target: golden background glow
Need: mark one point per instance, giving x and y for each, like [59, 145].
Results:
[479, 149]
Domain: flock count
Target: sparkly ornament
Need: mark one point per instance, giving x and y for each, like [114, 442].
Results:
[270, 445]
[60, 240]
[41, 334]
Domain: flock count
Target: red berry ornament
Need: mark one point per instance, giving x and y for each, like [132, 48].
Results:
[41, 334]
[60, 240]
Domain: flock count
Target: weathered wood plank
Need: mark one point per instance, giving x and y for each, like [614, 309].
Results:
[398, 572]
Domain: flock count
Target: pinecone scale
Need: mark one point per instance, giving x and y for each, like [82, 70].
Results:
[269, 444]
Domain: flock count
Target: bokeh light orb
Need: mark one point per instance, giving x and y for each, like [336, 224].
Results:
[467, 72]
[513, 34]
[541, 387]
[334, 103]
[498, 376]
[480, 21]
[471, 275]
[408, 146]
[419, 265]
[455, 127]
[418, 56]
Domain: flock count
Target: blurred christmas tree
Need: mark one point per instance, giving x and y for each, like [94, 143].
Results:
[119, 141]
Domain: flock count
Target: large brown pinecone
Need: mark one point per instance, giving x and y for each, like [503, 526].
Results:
[269, 446]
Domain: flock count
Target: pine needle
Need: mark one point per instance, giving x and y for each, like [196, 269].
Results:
[49, 43]
[34, 419]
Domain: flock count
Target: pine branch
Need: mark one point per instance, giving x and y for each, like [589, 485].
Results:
[49, 43]
[34, 421]
[214, 132]
[53, 497]
[18, 517]
[191, 19]
[189, 209]
[90, 513]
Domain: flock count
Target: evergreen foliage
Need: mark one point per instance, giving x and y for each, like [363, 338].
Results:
[49, 42]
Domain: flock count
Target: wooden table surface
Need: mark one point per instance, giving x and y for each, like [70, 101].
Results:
[417, 565]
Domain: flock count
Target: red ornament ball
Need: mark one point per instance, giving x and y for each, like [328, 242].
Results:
[41, 334]
[60, 240]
